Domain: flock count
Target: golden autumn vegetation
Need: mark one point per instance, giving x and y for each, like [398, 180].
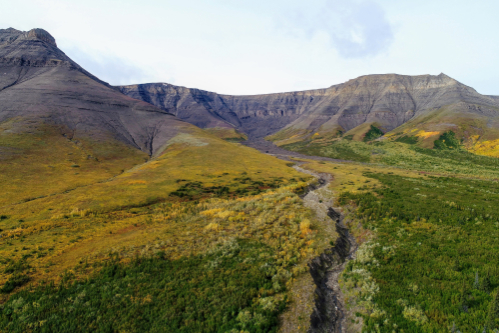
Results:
[199, 195]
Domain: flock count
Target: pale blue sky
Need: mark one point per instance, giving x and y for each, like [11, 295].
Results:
[257, 46]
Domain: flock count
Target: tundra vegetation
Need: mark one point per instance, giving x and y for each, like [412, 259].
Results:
[211, 236]
[432, 261]
[427, 225]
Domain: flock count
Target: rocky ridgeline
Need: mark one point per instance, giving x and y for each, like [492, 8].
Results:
[10, 35]
[388, 100]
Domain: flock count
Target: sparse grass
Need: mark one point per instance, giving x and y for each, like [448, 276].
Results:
[36, 160]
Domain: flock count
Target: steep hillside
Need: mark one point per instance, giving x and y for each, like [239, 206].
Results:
[39, 83]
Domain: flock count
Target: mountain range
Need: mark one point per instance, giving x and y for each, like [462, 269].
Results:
[387, 101]
[39, 81]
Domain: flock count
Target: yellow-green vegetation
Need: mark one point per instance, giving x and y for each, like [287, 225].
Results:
[364, 132]
[478, 134]
[195, 166]
[283, 235]
[404, 156]
[427, 246]
[211, 236]
[181, 208]
[288, 136]
[228, 134]
[360, 132]
[37, 160]
[351, 176]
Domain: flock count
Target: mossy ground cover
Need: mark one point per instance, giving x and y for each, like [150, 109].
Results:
[37, 160]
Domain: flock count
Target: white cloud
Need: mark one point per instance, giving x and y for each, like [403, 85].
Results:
[355, 29]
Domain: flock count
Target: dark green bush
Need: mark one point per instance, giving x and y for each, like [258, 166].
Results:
[213, 293]
[447, 140]
[412, 140]
[373, 134]
[16, 280]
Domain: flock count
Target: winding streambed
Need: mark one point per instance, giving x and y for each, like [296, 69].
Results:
[329, 313]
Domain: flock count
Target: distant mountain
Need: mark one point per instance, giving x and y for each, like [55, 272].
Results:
[386, 101]
[38, 82]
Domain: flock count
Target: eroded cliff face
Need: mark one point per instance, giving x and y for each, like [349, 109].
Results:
[386, 100]
[258, 115]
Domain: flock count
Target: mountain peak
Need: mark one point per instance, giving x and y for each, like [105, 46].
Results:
[10, 35]
[41, 35]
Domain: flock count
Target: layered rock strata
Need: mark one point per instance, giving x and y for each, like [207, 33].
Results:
[387, 100]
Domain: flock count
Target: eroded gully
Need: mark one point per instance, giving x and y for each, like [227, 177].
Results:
[329, 314]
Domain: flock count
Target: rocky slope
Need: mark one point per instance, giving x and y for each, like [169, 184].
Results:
[39, 83]
[388, 101]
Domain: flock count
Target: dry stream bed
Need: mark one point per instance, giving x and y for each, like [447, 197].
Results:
[329, 313]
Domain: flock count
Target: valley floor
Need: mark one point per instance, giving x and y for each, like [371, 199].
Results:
[228, 250]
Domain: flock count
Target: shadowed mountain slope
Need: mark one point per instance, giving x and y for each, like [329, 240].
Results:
[39, 82]
[388, 101]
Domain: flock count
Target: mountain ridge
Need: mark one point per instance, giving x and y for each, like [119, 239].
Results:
[387, 100]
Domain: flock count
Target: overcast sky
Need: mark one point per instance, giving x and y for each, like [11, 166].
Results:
[265, 46]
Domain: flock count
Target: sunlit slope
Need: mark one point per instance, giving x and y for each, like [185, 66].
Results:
[38, 160]
[412, 109]
[194, 166]
[193, 156]
[477, 126]
[229, 134]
